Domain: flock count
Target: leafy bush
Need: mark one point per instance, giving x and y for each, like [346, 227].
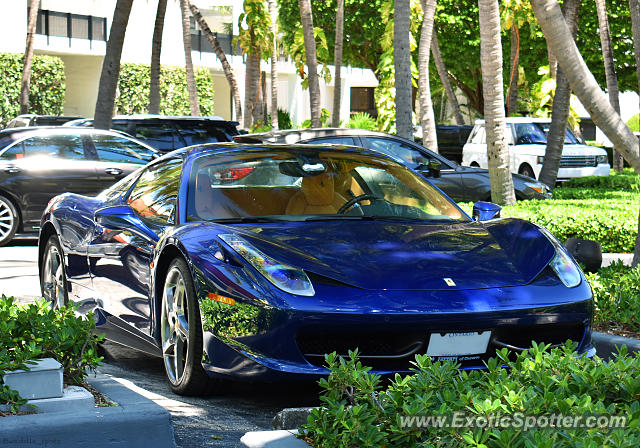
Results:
[357, 412]
[616, 291]
[29, 332]
[362, 120]
[634, 123]
[133, 90]
[284, 120]
[46, 91]
[325, 115]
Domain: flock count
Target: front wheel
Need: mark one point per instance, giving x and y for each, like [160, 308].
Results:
[53, 280]
[9, 220]
[181, 333]
[526, 170]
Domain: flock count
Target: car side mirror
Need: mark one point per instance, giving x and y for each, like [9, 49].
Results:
[432, 168]
[484, 211]
[122, 217]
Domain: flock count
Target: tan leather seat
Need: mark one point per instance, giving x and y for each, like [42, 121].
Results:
[316, 197]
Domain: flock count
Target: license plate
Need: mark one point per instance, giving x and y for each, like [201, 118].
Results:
[457, 344]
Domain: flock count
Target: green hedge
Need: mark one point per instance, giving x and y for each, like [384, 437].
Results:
[358, 412]
[133, 90]
[616, 291]
[47, 88]
[33, 331]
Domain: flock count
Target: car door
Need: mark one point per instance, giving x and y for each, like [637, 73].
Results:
[43, 166]
[116, 157]
[418, 158]
[121, 249]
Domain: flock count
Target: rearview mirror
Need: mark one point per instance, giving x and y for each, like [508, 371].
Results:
[484, 211]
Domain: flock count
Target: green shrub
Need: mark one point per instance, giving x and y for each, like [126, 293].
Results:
[133, 90]
[29, 332]
[634, 123]
[325, 115]
[358, 412]
[362, 120]
[46, 91]
[284, 120]
[616, 292]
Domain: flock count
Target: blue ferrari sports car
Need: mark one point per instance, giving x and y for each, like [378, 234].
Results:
[253, 261]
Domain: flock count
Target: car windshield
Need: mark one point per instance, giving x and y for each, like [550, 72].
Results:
[308, 184]
[569, 138]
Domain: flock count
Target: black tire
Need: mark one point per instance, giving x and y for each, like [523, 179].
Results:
[53, 279]
[9, 220]
[183, 366]
[475, 165]
[526, 170]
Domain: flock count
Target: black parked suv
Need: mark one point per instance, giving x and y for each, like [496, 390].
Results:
[38, 163]
[25, 120]
[166, 133]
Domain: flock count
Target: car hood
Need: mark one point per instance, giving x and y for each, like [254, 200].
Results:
[388, 255]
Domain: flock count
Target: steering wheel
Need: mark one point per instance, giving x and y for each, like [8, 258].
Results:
[353, 201]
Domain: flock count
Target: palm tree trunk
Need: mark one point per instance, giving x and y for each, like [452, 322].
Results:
[634, 8]
[427, 119]
[402, 65]
[156, 48]
[492, 85]
[226, 67]
[512, 104]
[444, 78]
[111, 66]
[560, 110]
[582, 81]
[273, 12]
[251, 88]
[337, 58]
[194, 106]
[306, 18]
[609, 70]
[34, 5]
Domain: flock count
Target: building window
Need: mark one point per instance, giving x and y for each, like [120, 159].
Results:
[63, 24]
[362, 100]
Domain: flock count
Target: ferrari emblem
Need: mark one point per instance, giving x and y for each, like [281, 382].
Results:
[449, 282]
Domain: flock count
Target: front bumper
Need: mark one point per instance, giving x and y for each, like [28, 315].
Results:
[602, 169]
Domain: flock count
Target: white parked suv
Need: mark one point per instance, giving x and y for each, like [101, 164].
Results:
[527, 140]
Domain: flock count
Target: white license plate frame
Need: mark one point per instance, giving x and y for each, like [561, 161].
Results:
[458, 343]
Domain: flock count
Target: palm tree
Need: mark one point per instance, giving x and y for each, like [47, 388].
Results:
[512, 103]
[492, 86]
[226, 67]
[306, 18]
[427, 120]
[444, 78]
[273, 13]
[111, 66]
[156, 48]
[634, 8]
[337, 57]
[186, 40]
[402, 65]
[34, 5]
[560, 109]
[609, 69]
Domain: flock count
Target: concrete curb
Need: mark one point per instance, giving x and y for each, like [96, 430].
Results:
[291, 418]
[606, 344]
[136, 421]
[272, 439]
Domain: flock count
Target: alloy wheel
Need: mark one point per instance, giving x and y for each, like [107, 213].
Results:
[7, 220]
[53, 284]
[174, 325]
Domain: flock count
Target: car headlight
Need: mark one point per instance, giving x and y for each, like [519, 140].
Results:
[539, 187]
[562, 264]
[602, 159]
[287, 278]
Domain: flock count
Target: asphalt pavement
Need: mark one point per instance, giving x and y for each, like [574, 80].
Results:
[215, 421]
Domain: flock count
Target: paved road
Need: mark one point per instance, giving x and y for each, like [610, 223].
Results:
[217, 421]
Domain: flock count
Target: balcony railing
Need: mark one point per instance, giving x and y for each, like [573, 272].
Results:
[64, 24]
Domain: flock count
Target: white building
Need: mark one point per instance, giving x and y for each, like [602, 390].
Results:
[77, 30]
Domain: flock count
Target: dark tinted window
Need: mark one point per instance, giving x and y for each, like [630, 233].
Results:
[334, 140]
[13, 153]
[196, 133]
[119, 188]
[113, 148]
[61, 146]
[400, 151]
[154, 196]
[161, 136]
[530, 133]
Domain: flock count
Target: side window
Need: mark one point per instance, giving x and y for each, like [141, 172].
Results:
[334, 140]
[60, 146]
[195, 133]
[155, 194]
[116, 191]
[398, 150]
[113, 148]
[161, 136]
[13, 153]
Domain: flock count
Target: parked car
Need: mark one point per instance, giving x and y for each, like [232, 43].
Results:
[27, 120]
[460, 183]
[166, 133]
[224, 274]
[37, 164]
[527, 140]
